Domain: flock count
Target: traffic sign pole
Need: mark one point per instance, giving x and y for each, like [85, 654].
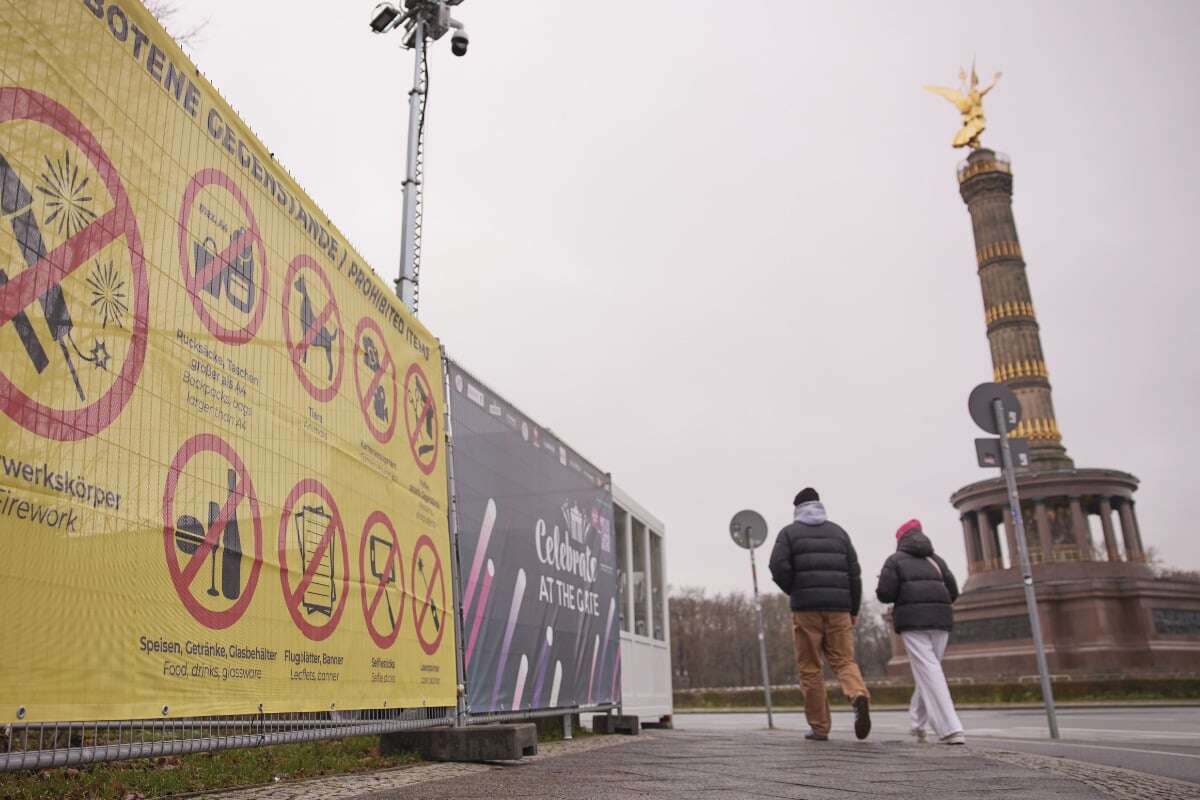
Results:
[1035, 625]
[748, 529]
[762, 643]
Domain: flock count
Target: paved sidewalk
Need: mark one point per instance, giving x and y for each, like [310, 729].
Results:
[758, 764]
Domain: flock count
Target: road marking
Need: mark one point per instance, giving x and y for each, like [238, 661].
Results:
[1092, 746]
[1041, 729]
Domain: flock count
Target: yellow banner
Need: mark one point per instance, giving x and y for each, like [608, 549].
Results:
[222, 455]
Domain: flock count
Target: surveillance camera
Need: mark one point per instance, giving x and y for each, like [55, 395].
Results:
[384, 17]
[459, 42]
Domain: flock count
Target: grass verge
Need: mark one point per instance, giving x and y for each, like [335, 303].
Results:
[1100, 690]
[198, 772]
[207, 772]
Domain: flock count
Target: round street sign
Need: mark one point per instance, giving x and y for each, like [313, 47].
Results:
[980, 406]
[748, 529]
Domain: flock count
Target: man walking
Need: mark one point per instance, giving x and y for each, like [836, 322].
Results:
[815, 563]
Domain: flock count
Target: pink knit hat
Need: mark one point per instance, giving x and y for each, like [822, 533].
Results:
[911, 525]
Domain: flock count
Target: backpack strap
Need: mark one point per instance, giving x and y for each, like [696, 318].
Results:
[931, 560]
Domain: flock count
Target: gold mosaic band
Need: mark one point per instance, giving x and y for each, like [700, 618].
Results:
[1045, 430]
[1020, 369]
[1006, 310]
[998, 250]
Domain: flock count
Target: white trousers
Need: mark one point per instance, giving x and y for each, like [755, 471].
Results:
[931, 703]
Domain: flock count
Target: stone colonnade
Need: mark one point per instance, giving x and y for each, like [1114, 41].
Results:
[1057, 508]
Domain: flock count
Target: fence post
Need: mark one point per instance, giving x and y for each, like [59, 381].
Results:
[452, 518]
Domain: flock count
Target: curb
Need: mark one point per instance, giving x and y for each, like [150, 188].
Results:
[1100, 704]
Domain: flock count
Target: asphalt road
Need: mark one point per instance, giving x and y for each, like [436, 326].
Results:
[1160, 741]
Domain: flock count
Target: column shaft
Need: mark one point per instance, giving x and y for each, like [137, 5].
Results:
[1045, 540]
[1137, 529]
[1129, 532]
[1110, 538]
[970, 544]
[986, 186]
[991, 559]
[1010, 539]
[1083, 537]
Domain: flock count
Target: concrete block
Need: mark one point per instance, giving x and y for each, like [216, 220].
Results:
[552, 726]
[475, 743]
[616, 723]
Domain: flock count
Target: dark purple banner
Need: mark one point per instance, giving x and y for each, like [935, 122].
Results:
[538, 560]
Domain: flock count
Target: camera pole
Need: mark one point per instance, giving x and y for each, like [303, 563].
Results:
[406, 286]
[421, 21]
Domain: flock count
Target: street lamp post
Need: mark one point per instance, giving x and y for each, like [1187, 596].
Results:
[421, 20]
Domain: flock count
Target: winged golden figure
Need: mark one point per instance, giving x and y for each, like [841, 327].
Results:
[968, 99]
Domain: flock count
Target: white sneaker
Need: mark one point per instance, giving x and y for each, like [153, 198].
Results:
[953, 738]
[919, 733]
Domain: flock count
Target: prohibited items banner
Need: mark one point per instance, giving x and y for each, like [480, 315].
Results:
[222, 478]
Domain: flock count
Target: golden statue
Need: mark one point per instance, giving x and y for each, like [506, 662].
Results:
[969, 102]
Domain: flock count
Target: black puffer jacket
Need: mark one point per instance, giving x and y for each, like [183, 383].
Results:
[814, 562]
[921, 591]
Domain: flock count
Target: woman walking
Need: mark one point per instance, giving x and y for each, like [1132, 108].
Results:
[922, 588]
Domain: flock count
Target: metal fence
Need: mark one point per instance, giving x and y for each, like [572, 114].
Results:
[534, 713]
[59, 744]
[41, 745]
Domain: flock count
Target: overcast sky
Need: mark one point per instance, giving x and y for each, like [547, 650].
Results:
[719, 248]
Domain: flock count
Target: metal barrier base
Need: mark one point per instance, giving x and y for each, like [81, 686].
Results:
[503, 742]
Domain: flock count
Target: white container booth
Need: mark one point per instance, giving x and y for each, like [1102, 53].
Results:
[645, 623]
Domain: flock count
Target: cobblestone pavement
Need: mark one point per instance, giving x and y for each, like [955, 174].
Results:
[1113, 782]
[372, 783]
[759, 764]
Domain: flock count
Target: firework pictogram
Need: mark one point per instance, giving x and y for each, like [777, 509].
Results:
[67, 199]
[108, 294]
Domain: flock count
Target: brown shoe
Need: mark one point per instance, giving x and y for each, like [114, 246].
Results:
[862, 716]
[813, 736]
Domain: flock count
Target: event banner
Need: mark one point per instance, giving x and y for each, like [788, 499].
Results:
[538, 560]
[222, 467]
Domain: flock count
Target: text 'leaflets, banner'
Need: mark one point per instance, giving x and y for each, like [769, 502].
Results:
[539, 565]
[200, 510]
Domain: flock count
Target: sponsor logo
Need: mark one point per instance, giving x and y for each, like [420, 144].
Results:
[475, 396]
[577, 525]
[525, 430]
[458, 382]
[511, 420]
[494, 410]
[562, 455]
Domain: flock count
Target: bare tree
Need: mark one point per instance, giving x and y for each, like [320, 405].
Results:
[714, 639]
[1162, 570]
[164, 11]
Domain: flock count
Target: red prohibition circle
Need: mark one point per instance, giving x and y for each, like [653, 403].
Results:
[193, 282]
[66, 425]
[182, 577]
[428, 408]
[436, 578]
[382, 434]
[394, 569]
[293, 600]
[298, 349]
